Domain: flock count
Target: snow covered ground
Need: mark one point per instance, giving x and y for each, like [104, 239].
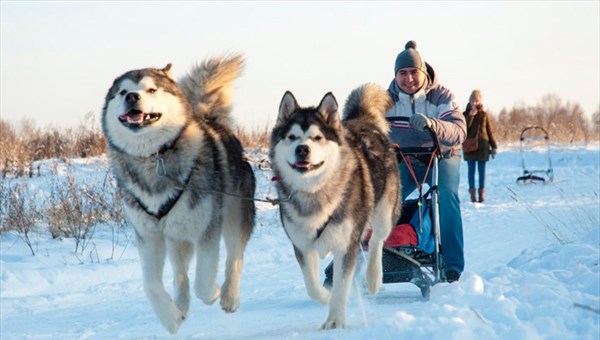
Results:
[532, 272]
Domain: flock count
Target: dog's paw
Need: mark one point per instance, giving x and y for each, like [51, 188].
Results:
[332, 323]
[374, 282]
[230, 297]
[230, 304]
[209, 297]
[171, 319]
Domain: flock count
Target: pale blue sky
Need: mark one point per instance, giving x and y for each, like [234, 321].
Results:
[60, 58]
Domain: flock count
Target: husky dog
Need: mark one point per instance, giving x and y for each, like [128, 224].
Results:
[176, 160]
[335, 178]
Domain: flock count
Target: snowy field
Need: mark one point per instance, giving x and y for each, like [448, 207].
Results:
[532, 272]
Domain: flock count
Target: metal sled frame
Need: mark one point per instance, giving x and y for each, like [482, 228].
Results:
[408, 264]
[529, 175]
[413, 265]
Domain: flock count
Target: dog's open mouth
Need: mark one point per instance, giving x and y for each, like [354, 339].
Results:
[304, 166]
[137, 119]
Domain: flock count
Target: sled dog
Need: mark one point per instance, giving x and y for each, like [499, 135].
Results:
[176, 160]
[336, 177]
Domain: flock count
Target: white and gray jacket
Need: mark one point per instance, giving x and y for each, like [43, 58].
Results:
[437, 103]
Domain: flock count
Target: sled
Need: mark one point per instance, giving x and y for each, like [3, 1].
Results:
[535, 137]
[412, 252]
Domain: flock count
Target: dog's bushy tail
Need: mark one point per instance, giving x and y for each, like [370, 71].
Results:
[370, 102]
[208, 87]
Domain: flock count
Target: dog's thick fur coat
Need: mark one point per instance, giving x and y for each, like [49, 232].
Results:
[176, 162]
[336, 178]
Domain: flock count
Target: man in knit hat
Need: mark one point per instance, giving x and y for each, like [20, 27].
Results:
[419, 97]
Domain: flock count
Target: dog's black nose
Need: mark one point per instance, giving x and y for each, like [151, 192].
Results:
[132, 97]
[302, 150]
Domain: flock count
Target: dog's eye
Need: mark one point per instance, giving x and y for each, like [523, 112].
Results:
[151, 90]
[292, 137]
[318, 138]
[123, 92]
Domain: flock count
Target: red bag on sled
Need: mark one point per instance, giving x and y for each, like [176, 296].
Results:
[413, 229]
[401, 235]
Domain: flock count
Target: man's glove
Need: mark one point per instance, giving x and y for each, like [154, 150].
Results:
[493, 153]
[419, 121]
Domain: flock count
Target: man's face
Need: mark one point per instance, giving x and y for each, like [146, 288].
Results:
[410, 79]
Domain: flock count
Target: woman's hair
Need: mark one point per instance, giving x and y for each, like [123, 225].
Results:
[475, 96]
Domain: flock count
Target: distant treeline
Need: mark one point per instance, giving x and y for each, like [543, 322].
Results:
[21, 146]
[564, 122]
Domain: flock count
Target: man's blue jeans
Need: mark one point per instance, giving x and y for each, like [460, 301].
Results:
[451, 229]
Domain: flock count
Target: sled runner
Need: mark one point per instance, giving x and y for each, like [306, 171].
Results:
[412, 252]
[535, 137]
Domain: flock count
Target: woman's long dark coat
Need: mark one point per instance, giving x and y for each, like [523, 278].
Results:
[480, 122]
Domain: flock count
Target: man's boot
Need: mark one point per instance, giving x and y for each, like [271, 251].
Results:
[473, 198]
[481, 195]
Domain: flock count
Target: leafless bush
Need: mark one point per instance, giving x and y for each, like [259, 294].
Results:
[14, 153]
[74, 208]
[596, 126]
[111, 214]
[70, 208]
[19, 212]
[254, 139]
[89, 140]
[25, 144]
[71, 213]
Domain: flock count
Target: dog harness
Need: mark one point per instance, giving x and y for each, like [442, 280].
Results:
[161, 172]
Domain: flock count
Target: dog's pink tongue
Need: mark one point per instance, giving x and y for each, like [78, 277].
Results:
[302, 164]
[132, 117]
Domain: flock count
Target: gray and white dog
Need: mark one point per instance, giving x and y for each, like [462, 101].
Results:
[335, 178]
[176, 162]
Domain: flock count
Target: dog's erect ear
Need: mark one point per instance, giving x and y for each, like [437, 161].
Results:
[287, 107]
[167, 70]
[329, 110]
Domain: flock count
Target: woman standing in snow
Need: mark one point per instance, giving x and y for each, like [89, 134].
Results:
[479, 126]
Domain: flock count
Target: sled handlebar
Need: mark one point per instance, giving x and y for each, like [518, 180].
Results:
[423, 149]
[538, 133]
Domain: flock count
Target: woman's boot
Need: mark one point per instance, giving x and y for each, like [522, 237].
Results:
[472, 192]
[481, 195]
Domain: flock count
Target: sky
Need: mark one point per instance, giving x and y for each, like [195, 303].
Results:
[531, 271]
[59, 58]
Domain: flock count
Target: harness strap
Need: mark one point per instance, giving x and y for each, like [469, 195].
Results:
[168, 205]
[161, 172]
[322, 228]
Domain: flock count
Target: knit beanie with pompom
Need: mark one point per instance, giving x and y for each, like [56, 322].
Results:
[409, 58]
